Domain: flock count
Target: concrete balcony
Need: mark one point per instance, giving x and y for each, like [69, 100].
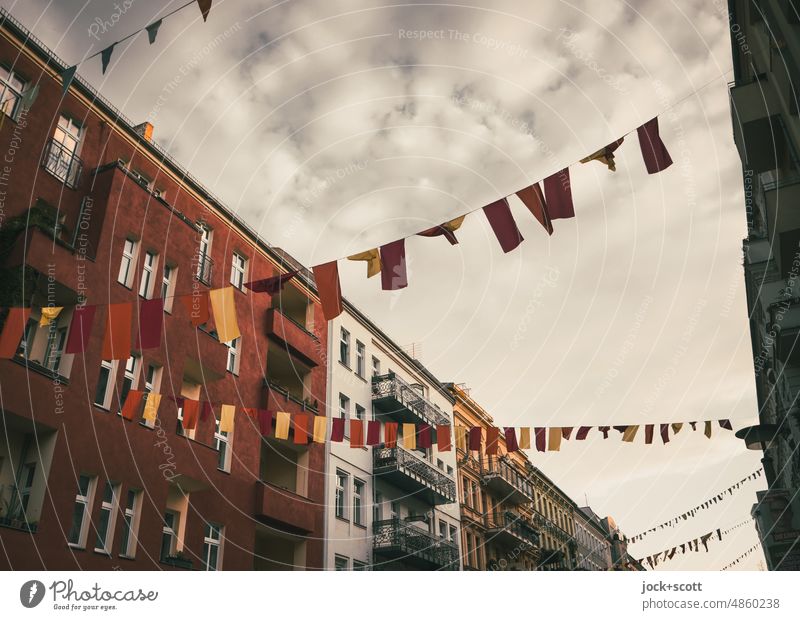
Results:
[511, 529]
[284, 509]
[297, 341]
[757, 128]
[507, 483]
[414, 475]
[280, 399]
[397, 399]
[394, 539]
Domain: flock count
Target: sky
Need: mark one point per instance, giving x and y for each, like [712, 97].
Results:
[336, 127]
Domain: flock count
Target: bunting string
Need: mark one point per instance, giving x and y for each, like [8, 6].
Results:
[702, 506]
[741, 557]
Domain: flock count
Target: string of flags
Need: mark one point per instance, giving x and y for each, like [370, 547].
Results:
[547, 200]
[741, 557]
[692, 545]
[706, 504]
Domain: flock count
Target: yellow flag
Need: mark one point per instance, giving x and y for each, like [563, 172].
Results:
[554, 441]
[630, 433]
[320, 427]
[676, 427]
[708, 429]
[49, 314]
[373, 259]
[409, 436]
[524, 438]
[461, 438]
[224, 314]
[454, 224]
[151, 406]
[282, 425]
[227, 413]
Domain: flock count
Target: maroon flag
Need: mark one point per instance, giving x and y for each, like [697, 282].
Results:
[205, 411]
[648, 433]
[492, 435]
[373, 433]
[604, 430]
[502, 222]
[665, 433]
[265, 422]
[80, 328]
[151, 320]
[558, 191]
[205, 8]
[326, 277]
[424, 439]
[583, 432]
[511, 439]
[541, 438]
[566, 432]
[655, 155]
[533, 198]
[272, 285]
[475, 438]
[393, 266]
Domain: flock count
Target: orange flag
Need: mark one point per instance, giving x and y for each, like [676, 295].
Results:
[196, 305]
[191, 410]
[13, 329]
[443, 437]
[224, 314]
[356, 433]
[131, 405]
[117, 341]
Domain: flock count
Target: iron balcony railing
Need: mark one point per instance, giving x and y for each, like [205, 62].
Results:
[399, 461]
[204, 268]
[517, 485]
[515, 524]
[392, 395]
[62, 163]
[405, 542]
[545, 524]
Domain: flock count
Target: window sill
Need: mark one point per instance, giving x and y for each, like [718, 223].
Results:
[341, 363]
[102, 552]
[130, 558]
[343, 519]
[359, 525]
[76, 547]
[362, 377]
[127, 286]
[223, 471]
[102, 408]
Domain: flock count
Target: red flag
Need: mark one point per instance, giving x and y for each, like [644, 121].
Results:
[492, 436]
[337, 429]
[13, 329]
[356, 433]
[151, 319]
[583, 432]
[265, 422]
[558, 192]
[648, 433]
[511, 439]
[475, 436]
[330, 292]
[655, 155]
[205, 8]
[80, 328]
[533, 198]
[300, 428]
[393, 266]
[272, 285]
[424, 439]
[117, 341]
[131, 404]
[205, 411]
[502, 222]
[541, 438]
[373, 433]
[191, 409]
[443, 440]
[566, 432]
[390, 434]
[197, 306]
[665, 433]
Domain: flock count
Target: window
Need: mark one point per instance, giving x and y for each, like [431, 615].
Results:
[129, 379]
[344, 406]
[54, 349]
[11, 87]
[359, 487]
[130, 524]
[169, 536]
[61, 159]
[341, 562]
[377, 507]
[359, 565]
[233, 355]
[361, 413]
[360, 361]
[470, 559]
[344, 347]
[442, 530]
[80, 511]
[168, 286]
[26, 482]
[221, 444]
[394, 509]
[148, 275]
[449, 470]
[212, 544]
[204, 254]
[108, 371]
[238, 270]
[440, 464]
[341, 494]
[465, 491]
[453, 533]
[108, 512]
[376, 366]
[125, 276]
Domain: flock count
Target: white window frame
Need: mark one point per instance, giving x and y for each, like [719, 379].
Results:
[209, 542]
[359, 490]
[111, 366]
[111, 507]
[171, 531]
[234, 355]
[148, 279]
[344, 347]
[204, 251]
[11, 88]
[86, 501]
[377, 506]
[376, 366]
[360, 412]
[361, 359]
[131, 375]
[131, 524]
[127, 265]
[68, 135]
[239, 264]
[341, 494]
[168, 286]
[358, 565]
[344, 406]
[222, 444]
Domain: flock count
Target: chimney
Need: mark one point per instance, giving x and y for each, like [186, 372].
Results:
[145, 130]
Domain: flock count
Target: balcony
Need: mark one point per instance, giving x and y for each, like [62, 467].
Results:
[293, 337]
[280, 399]
[414, 475]
[757, 128]
[507, 483]
[394, 539]
[204, 268]
[283, 509]
[394, 397]
[511, 529]
[62, 163]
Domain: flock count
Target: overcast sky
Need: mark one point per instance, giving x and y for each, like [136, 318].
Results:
[332, 128]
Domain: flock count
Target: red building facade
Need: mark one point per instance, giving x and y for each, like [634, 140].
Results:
[91, 210]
